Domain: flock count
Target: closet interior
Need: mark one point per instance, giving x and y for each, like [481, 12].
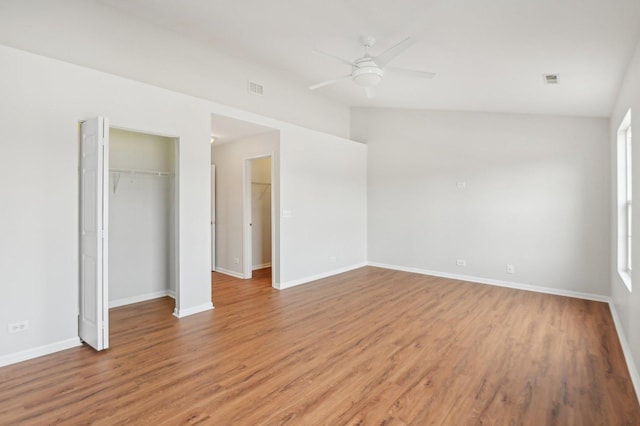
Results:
[261, 213]
[142, 219]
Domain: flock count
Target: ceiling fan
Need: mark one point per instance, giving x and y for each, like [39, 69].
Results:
[368, 70]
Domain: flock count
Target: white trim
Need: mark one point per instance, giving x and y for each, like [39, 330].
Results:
[518, 286]
[230, 273]
[293, 283]
[247, 231]
[625, 276]
[141, 298]
[39, 351]
[624, 202]
[192, 311]
[264, 265]
[626, 349]
[247, 238]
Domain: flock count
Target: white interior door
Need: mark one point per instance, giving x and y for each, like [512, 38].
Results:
[213, 217]
[94, 207]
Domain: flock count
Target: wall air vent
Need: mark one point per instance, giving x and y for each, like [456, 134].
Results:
[550, 78]
[255, 88]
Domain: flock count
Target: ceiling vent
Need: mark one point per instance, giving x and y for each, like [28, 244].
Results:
[550, 78]
[255, 88]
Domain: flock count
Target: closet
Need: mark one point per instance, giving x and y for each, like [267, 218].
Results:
[261, 213]
[141, 217]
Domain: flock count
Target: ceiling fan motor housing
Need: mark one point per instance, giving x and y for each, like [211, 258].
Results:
[368, 74]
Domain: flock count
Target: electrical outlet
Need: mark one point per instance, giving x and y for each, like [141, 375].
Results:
[511, 269]
[236, 260]
[461, 185]
[17, 327]
[461, 262]
[333, 259]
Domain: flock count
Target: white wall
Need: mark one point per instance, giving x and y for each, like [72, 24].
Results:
[229, 159]
[98, 36]
[627, 304]
[261, 212]
[536, 196]
[43, 100]
[320, 198]
[323, 205]
[140, 217]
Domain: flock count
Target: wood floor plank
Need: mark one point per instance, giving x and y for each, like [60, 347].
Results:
[371, 346]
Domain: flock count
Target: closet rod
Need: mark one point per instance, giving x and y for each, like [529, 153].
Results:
[261, 183]
[142, 172]
[135, 172]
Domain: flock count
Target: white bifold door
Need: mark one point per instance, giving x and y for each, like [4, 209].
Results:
[94, 208]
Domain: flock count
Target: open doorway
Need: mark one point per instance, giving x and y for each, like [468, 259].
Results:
[239, 249]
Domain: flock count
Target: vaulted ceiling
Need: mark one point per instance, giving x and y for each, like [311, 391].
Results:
[488, 56]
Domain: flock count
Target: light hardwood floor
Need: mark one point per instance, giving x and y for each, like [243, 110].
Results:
[371, 346]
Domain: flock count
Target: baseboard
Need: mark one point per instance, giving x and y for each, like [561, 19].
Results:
[141, 298]
[230, 273]
[305, 280]
[264, 265]
[181, 313]
[39, 351]
[499, 283]
[626, 349]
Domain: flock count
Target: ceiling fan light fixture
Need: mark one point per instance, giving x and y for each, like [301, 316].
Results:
[368, 71]
[367, 76]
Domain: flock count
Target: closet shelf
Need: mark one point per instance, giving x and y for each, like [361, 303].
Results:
[158, 173]
[135, 172]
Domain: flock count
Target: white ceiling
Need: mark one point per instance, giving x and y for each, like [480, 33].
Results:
[488, 55]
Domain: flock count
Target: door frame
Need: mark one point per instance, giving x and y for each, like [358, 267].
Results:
[175, 213]
[247, 240]
[175, 207]
[213, 217]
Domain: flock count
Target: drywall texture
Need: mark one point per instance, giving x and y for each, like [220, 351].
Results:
[99, 36]
[260, 212]
[229, 159]
[628, 303]
[141, 229]
[323, 205]
[534, 193]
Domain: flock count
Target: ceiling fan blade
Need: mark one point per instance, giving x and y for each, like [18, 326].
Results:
[337, 58]
[328, 82]
[385, 57]
[411, 73]
[370, 91]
